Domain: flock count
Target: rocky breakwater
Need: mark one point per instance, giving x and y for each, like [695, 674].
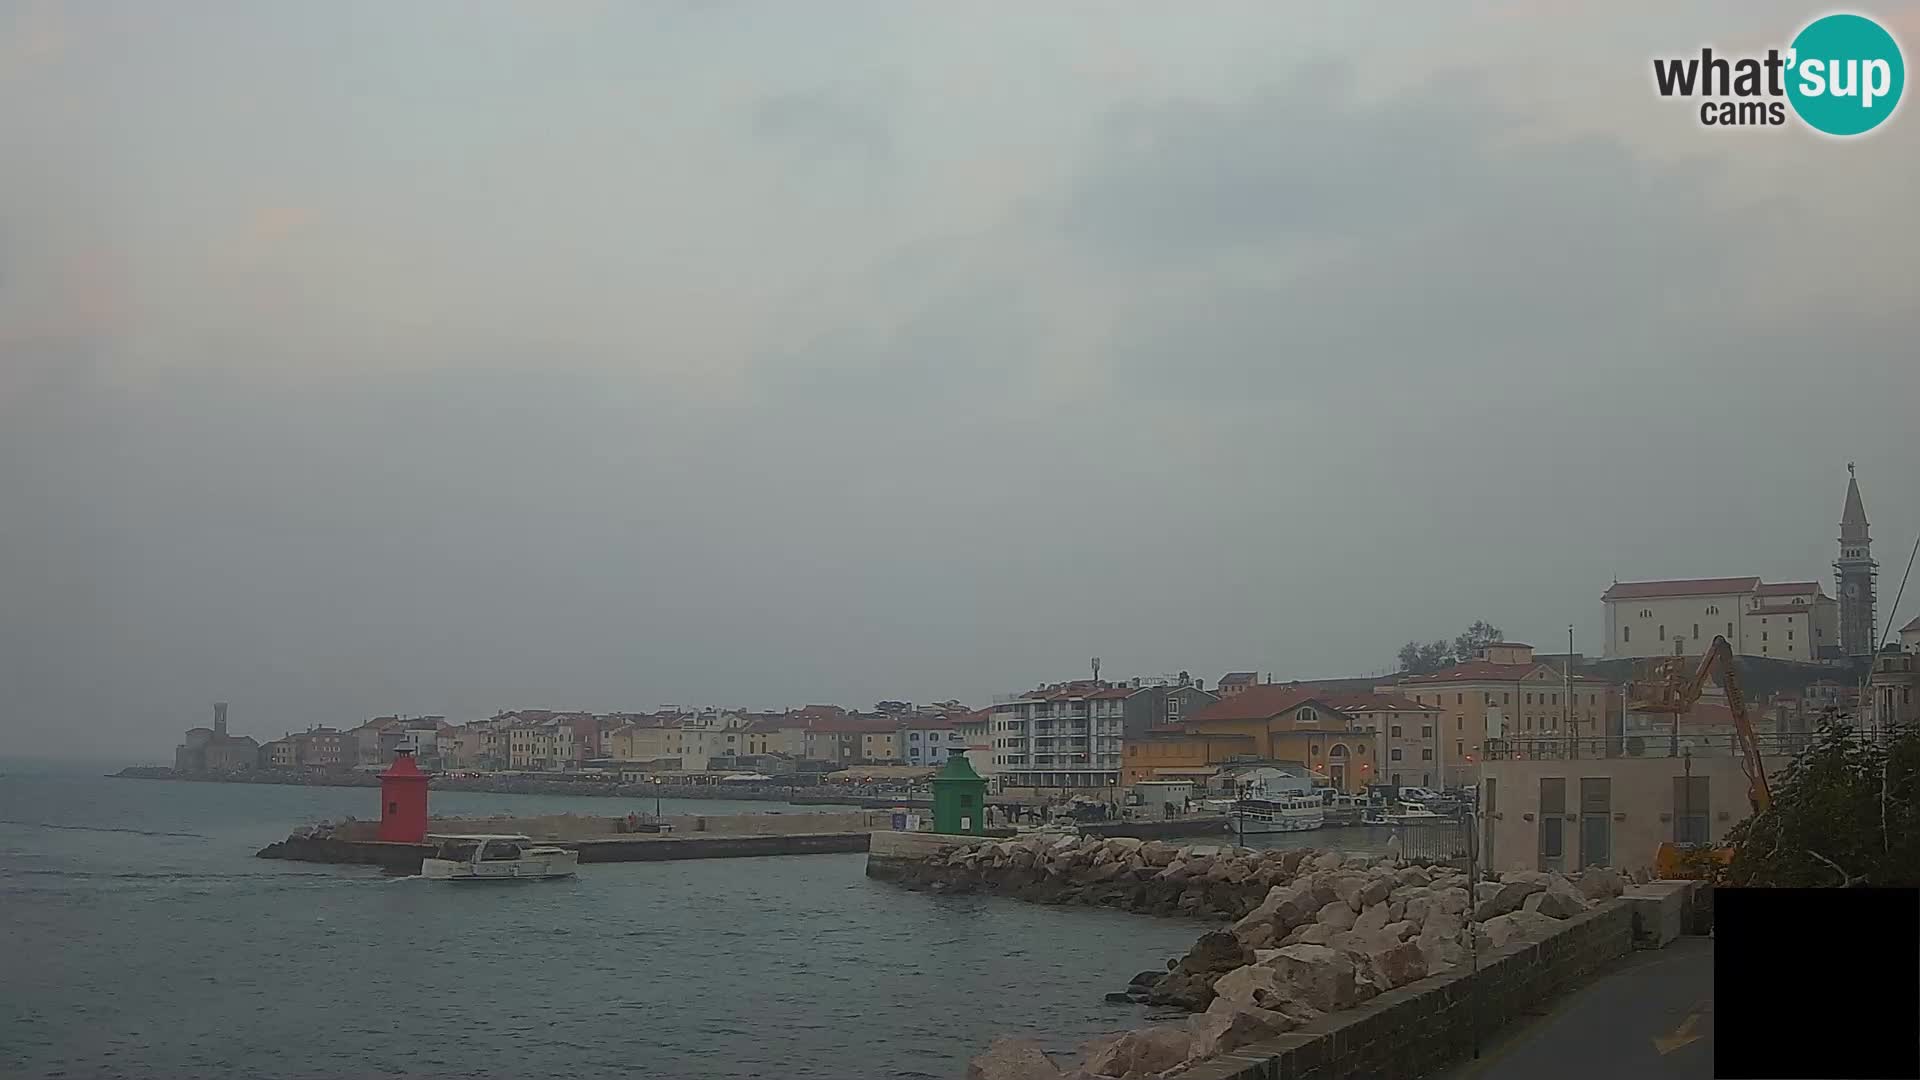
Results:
[1205, 881]
[1335, 931]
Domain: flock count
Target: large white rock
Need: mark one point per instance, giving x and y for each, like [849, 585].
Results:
[1371, 920]
[1317, 976]
[1147, 1051]
[1558, 901]
[1012, 1059]
[1228, 1026]
[1517, 925]
[1338, 915]
[1601, 883]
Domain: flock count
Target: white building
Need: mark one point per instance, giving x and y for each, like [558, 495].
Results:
[927, 740]
[1785, 621]
[1065, 736]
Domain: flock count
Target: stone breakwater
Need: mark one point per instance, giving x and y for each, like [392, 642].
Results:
[1313, 933]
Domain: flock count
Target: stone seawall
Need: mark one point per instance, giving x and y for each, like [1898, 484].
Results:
[1208, 881]
[1425, 1025]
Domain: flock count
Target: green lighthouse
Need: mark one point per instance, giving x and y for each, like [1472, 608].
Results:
[959, 798]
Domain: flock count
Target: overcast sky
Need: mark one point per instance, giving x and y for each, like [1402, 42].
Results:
[446, 357]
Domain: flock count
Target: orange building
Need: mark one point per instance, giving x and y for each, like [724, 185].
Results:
[1261, 723]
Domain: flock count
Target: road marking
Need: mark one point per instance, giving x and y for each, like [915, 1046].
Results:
[1682, 1035]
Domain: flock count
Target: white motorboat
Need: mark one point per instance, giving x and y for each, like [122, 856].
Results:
[495, 857]
[1278, 814]
[1413, 813]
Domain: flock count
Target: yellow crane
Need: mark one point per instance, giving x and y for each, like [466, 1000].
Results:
[1673, 690]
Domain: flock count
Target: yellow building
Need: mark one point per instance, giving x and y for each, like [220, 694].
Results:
[1167, 754]
[1505, 695]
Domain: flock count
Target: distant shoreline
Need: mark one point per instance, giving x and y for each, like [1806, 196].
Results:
[805, 796]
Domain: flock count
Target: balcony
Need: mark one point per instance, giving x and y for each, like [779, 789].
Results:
[1647, 745]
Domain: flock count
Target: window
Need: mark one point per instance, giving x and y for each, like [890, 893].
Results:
[1556, 699]
[1396, 731]
[1458, 724]
[1696, 631]
[1712, 610]
[1763, 633]
[1626, 633]
[1339, 751]
[1459, 749]
[1690, 809]
[1506, 699]
[1426, 731]
[1459, 699]
[1426, 755]
[1789, 635]
[1729, 631]
[1394, 754]
[1529, 699]
[1663, 631]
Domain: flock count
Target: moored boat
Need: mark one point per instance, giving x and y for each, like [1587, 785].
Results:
[495, 857]
[1278, 814]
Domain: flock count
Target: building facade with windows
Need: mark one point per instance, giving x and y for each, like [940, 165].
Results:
[1784, 621]
[1406, 735]
[1064, 737]
[1291, 724]
[1506, 695]
[928, 740]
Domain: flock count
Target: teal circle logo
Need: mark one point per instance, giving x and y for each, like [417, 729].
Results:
[1845, 74]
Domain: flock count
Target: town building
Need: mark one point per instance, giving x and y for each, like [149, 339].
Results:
[1406, 739]
[213, 750]
[1159, 702]
[1544, 811]
[1506, 695]
[1234, 682]
[324, 748]
[1175, 753]
[1910, 636]
[930, 740]
[1893, 688]
[1783, 621]
[975, 730]
[1289, 724]
[1854, 574]
[1064, 737]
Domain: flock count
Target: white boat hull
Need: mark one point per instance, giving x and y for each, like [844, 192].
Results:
[535, 865]
[1284, 821]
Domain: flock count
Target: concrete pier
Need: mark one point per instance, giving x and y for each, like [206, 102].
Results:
[405, 858]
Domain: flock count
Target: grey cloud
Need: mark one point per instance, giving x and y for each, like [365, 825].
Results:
[830, 123]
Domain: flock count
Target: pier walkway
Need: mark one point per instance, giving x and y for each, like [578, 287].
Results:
[1650, 1017]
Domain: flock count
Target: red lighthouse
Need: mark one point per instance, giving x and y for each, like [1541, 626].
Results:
[403, 801]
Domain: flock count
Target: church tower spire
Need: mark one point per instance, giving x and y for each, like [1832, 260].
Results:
[1854, 574]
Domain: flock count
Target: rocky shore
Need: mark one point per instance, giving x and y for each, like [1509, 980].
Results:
[1313, 933]
[815, 795]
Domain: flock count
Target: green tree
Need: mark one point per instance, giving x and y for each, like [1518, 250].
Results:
[1477, 637]
[1418, 658]
[1843, 813]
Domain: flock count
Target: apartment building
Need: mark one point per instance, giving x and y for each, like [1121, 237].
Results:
[1504, 695]
[1064, 737]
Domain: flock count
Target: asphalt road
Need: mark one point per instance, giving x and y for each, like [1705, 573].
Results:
[1650, 1017]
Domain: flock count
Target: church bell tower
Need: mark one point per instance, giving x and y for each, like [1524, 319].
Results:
[1854, 572]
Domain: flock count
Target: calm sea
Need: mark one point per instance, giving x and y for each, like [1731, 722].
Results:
[142, 939]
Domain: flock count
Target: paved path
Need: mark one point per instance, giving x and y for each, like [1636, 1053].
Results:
[1650, 1017]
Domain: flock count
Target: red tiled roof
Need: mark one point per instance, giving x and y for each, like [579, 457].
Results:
[1650, 590]
[1788, 588]
[1258, 702]
[931, 723]
[1376, 703]
[1912, 626]
[1233, 678]
[1483, 671]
